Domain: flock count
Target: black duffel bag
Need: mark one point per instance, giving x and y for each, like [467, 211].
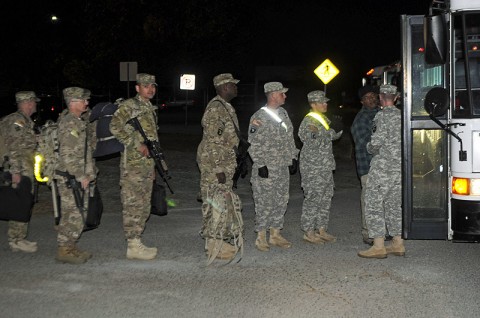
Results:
[159, 199]
[16, 203]
[95, 210]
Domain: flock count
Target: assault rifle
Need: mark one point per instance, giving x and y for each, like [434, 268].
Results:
[242, 160]
[77, 190]
[156, 152]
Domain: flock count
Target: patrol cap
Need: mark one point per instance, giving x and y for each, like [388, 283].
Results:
[388, 89]
[367, 89]
[274, 87]
[317, 96]
[146, 79]
[224, 78]
[24, 96]
[76, 92]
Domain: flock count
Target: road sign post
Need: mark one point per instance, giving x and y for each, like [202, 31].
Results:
[128, 72]
[187, 83]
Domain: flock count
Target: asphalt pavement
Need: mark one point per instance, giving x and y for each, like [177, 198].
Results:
[434, 279]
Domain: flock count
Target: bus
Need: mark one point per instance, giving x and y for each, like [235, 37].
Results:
[441, 122]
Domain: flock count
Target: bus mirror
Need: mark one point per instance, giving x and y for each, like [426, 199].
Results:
[434, 37]
[436, 101]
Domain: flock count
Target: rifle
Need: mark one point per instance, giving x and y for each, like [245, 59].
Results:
[242, 160]
[156, 152]
[73, 184]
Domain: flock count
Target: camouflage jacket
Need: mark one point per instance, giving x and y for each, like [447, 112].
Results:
[271, 144]
[317, 143]
[75, 146]
[386, 142]
[217, 148]
[20, 141]
[128, 136]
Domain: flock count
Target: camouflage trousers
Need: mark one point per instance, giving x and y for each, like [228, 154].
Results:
[136, 194]
[383, 203]
[18, 230]
[318, 192]
[208, 183]
[271, 197]
[71, 221]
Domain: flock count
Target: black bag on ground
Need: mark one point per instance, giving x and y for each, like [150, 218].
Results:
[95, 210]
[16, 203]
[159, 199]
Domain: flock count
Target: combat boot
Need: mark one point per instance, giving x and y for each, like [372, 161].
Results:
[220, 249]
[396, 247]
[67, 254]
[261, 241]
[136, 250]
[328, 238]
[85, 254]
[23, 245]
[276, 239]
[376, 251]
[310, 237]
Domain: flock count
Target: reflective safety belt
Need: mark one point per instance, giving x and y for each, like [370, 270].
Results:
[275, 116]
[320, 118]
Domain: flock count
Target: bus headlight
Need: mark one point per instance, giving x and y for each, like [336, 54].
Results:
[475, 186]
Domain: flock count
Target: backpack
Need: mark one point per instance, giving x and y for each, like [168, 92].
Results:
[47, 155]
[107, 144]
[3, 146]
[225, 222]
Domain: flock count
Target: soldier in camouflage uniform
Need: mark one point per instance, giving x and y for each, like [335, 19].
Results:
[75, 158]
[274, 155]
[20, 143]
[383, 196]
[316, 167]
[216, 156]
[137, 169]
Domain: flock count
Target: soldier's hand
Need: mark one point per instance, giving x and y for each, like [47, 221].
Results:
[85, 182]
[263, 172]
[221, 178]
[294, 167]
[143, 149]
[16, 177]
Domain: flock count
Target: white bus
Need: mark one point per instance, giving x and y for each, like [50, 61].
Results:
[441, 122]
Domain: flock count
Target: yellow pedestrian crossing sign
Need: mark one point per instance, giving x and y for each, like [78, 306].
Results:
[326, 71]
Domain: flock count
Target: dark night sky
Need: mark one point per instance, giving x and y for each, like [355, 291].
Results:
[208, 36]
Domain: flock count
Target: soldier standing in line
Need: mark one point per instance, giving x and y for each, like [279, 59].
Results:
[316, 168]
[274, 155]
[137, 169]
[75, 158]
[216, 157]
[20, 143]
[361, 132]
[383, 197]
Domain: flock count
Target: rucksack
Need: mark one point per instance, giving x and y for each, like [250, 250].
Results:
[46, 157]
[107, 144]
[225, 222]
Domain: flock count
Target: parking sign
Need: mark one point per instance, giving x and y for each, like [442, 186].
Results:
[187, 82]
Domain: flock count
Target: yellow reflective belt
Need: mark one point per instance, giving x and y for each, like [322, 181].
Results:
[275, 117]
[38, 167]
[320, 118]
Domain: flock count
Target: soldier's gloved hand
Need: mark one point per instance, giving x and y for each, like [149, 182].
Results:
[293, 167]
[263, 172]
[221, 177]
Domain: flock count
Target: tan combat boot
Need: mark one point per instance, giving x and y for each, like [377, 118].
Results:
[85, 254]
[276, 239]
[310, 237]
[23, 245]
[328, 238]
[136, 250]
[376, 251]
[396, 247]
[220, 249]
[67, 254]
[261, 241]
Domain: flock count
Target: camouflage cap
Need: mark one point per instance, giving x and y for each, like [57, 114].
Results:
[76, 92]
[144, 78]
[274, 87]
[24, 96]
[317, 96]
[388, 89]
[224, 78]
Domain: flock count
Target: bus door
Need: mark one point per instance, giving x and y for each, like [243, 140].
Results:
[425, 145]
